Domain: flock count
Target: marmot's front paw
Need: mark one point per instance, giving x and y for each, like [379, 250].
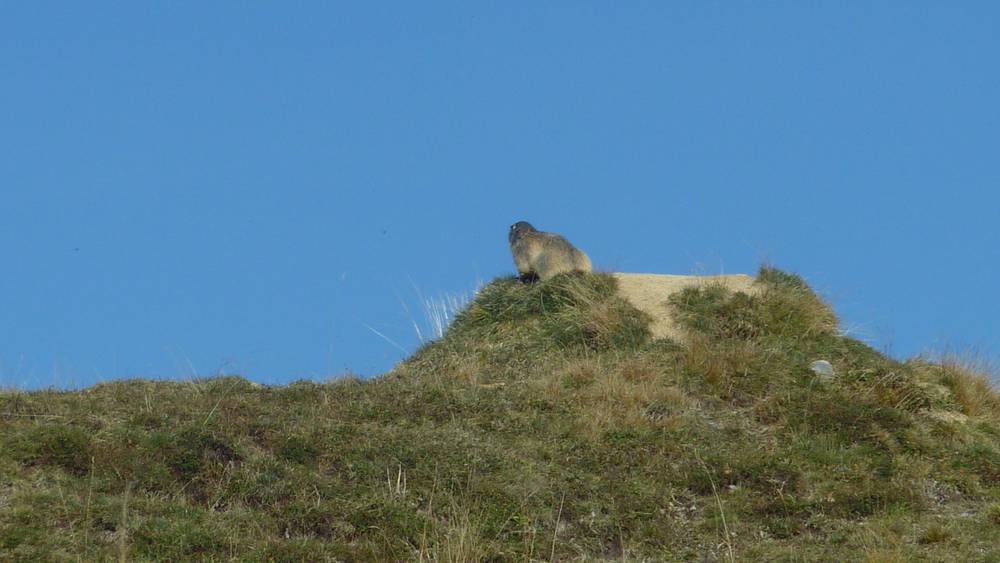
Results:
[530, 277]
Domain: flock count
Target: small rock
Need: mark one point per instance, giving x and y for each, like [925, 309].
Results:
[822, 368]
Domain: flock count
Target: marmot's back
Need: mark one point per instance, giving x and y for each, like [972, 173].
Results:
[542, 254]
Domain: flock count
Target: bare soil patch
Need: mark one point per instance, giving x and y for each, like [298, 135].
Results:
[650, 293]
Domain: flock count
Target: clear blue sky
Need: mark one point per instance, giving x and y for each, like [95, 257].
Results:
[193, 187]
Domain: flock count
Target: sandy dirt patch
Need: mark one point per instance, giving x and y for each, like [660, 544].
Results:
[650, 292]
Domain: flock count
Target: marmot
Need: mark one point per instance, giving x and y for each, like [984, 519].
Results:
[540, 255]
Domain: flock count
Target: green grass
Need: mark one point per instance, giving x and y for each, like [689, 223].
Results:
[546, 424]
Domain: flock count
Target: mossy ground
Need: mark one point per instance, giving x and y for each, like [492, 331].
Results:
[545, 425]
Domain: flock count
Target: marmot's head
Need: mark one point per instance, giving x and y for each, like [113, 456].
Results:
[517, 230]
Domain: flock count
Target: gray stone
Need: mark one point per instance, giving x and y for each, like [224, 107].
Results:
[822, 368]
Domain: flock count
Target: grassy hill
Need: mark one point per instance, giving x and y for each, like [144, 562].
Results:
[545, 425]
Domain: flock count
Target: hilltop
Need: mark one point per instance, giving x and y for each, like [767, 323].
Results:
[551, 422]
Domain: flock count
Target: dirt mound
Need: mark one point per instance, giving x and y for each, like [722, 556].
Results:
[650, 292]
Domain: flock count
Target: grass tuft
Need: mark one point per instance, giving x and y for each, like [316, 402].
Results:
[57, 445]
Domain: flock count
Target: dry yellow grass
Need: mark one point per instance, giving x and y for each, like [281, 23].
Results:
[971, 388]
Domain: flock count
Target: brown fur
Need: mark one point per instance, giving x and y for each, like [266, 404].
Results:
[541, 255]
